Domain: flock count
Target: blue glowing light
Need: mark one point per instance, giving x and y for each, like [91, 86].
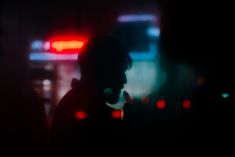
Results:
[37, 45]
[137, 18]
[46, 56]
[145, 55]
[40, 45]
[153, 32]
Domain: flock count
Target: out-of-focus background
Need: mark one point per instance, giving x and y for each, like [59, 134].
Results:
[181, 80]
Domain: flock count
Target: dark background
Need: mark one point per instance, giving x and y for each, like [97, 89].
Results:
[197, 33]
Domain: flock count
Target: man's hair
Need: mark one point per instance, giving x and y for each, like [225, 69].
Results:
[103, 51]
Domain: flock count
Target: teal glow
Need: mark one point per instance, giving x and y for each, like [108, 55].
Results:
[225, 95]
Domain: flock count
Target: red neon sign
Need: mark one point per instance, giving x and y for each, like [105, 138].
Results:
[67, 45]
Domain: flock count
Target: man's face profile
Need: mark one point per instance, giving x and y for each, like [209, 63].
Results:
[105, 61]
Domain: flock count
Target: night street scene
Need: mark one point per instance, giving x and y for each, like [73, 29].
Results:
[116, 75]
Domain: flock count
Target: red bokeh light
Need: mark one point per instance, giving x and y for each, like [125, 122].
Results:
[161, 104]
[117, 114]
[145, 100]
[81, 115]
[186, 104]
[69, 43]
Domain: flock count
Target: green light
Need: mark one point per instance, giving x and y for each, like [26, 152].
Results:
[225, 95]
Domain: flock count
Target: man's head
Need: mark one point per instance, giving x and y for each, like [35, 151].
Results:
[104, 61]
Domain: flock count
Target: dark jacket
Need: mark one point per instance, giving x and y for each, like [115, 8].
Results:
[82, 120]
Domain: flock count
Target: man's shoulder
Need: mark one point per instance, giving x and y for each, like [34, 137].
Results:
[71, 97]
[73, 93]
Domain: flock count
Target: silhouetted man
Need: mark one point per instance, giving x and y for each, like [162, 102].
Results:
[82, 117]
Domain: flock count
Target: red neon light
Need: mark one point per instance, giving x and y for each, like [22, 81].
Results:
[80, 115]
[161, 104]
[117, 114]
[70, 42]
[67, 45]
[186, 104]
[145, 100]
